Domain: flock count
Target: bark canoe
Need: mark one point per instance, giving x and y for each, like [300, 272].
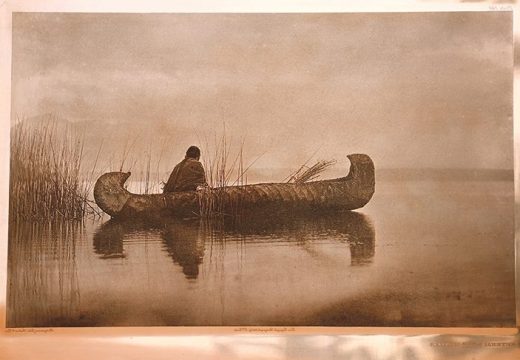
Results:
[346, 193]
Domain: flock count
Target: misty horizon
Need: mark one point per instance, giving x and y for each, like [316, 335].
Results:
[337, 170]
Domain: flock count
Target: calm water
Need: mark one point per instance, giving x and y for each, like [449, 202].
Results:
[420, 254]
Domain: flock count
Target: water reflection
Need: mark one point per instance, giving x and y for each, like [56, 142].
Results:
[304, 270]
[186, 241]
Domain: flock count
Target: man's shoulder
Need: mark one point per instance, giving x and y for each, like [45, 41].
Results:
[179, 164]
[193, 161]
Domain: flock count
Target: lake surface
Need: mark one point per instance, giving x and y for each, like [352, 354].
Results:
[421, 253]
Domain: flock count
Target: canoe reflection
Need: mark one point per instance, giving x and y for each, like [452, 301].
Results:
[108, 240]
[187, 240]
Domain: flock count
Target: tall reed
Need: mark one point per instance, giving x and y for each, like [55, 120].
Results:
[222, 170]
[45, 173]
[144, 162]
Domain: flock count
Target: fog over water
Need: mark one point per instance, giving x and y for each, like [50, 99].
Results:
[410, 89]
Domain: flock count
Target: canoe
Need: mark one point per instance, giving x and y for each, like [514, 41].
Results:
[346, 193]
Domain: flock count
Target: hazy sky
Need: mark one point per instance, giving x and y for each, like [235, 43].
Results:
[409, 89]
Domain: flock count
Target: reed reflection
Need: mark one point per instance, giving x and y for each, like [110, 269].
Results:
[43, 287]
[187, 241]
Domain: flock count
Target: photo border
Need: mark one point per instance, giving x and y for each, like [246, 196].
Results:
[483, 342]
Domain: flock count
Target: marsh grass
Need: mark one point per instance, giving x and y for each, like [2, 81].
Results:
[48, 180]
[45, 173]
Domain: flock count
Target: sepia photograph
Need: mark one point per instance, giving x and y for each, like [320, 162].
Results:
[261, 169]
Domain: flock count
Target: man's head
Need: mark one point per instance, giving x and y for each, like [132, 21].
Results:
[193, 152]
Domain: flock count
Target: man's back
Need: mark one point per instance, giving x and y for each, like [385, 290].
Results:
[186, 176]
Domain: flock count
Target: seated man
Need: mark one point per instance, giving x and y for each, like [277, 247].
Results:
[188, 174]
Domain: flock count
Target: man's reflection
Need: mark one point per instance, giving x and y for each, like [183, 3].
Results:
[185, 244]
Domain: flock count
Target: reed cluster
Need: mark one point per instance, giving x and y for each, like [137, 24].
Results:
[308, 173]
[222, 170]
[45, 174]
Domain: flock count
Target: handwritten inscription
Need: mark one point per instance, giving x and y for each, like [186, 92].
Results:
[501, 7]
[264, 329]
[474, 344]
[30, 330]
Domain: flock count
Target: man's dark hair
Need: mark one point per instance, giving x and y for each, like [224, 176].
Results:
[193, 152]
